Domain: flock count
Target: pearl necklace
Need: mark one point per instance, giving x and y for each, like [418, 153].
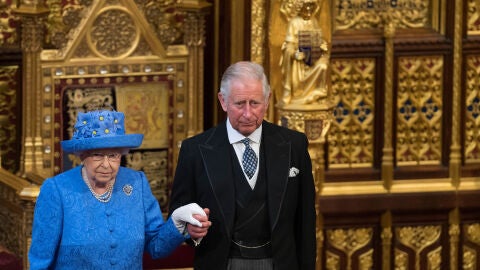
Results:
[105, 197]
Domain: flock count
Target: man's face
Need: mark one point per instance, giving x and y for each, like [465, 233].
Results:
[245, 106]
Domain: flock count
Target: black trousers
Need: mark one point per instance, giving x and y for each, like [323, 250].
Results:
[250, 264]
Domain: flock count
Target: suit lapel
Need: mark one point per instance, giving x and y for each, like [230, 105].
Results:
[217, 159]
[277, 153]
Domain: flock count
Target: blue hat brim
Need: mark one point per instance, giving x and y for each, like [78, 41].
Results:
[118, 141]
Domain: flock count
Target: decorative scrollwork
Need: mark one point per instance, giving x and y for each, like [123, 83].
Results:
[114, 33]
[418, 238]
[472, 233]
[368, 14]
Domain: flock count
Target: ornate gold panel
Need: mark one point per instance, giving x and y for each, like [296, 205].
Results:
[11, 217]
[348, 245]
[113, 33]
[333, 261]
[361, 15]
[415, 243]
[9, 76]
[473, 17]
[469, 258]
[471, 246]
[419, 110]
[350, 138]
[8, 23]
[472, 111]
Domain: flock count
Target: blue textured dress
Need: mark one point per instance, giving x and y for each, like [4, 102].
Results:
[73, 230]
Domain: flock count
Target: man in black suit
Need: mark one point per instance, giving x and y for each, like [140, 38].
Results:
[263, 215]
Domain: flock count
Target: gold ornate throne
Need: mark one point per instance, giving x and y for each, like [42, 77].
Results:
[144, 58]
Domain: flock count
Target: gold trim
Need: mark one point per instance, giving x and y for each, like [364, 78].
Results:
[416, 186]
[455, 149]
[23, 188]
[399, 186]
[353, 188]
[469, 184]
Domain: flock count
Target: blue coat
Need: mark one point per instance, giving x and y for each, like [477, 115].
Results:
[73, 230]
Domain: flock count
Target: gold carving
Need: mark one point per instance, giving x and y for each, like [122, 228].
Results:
[163, 18]
[16, 212]
[350, 140]
[401, 259]
[418, 239]
[333, 261]
[305, 56]
[11, 221]
[66, 19]
[386, 236]
[114, 33]
[454, 233]
[360, 15]
[351, 240]
[313, 123]
[469, 258]
[8, 34]
[420, 111]
[366, 260]
[473, 17]
[258, 31]
[472, 110]
[435, 259]
[472, 232]
[8, 117]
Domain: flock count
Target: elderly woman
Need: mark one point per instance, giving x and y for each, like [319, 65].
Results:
[101, 215]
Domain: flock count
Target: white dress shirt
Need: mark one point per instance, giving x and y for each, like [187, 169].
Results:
[234, 137]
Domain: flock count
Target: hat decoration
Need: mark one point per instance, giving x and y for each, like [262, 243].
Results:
[100, 129]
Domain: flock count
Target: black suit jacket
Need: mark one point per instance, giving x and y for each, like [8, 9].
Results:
[204, 175]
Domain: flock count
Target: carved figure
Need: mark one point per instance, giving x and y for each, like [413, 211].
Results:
[305, 58]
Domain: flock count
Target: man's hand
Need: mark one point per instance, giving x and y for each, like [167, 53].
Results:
[197, 232]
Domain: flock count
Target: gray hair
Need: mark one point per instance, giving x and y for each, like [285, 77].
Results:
[244, 70]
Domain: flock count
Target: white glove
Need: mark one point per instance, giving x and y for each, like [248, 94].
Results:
[184, 214]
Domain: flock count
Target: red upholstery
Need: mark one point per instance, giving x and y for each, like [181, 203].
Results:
[9, 261]
[182, 257]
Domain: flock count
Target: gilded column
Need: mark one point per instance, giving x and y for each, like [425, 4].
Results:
[33, 15]
[195, 39]
[300, 46]
[387, 157]
[455, 154]
[257, 52]
[258, 38]
[454, 233]
[386, 236]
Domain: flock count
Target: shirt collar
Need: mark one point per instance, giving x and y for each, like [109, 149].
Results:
[234, 136]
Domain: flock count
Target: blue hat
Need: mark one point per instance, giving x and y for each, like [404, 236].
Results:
[100, 129]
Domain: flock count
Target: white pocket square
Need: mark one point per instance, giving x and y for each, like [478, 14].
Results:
[293, 172]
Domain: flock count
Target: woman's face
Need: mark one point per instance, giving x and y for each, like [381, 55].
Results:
[102, 164]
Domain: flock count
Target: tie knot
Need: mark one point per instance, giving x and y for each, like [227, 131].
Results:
[246, 141]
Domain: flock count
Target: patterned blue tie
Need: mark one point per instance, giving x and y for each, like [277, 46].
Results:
[249, 161]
